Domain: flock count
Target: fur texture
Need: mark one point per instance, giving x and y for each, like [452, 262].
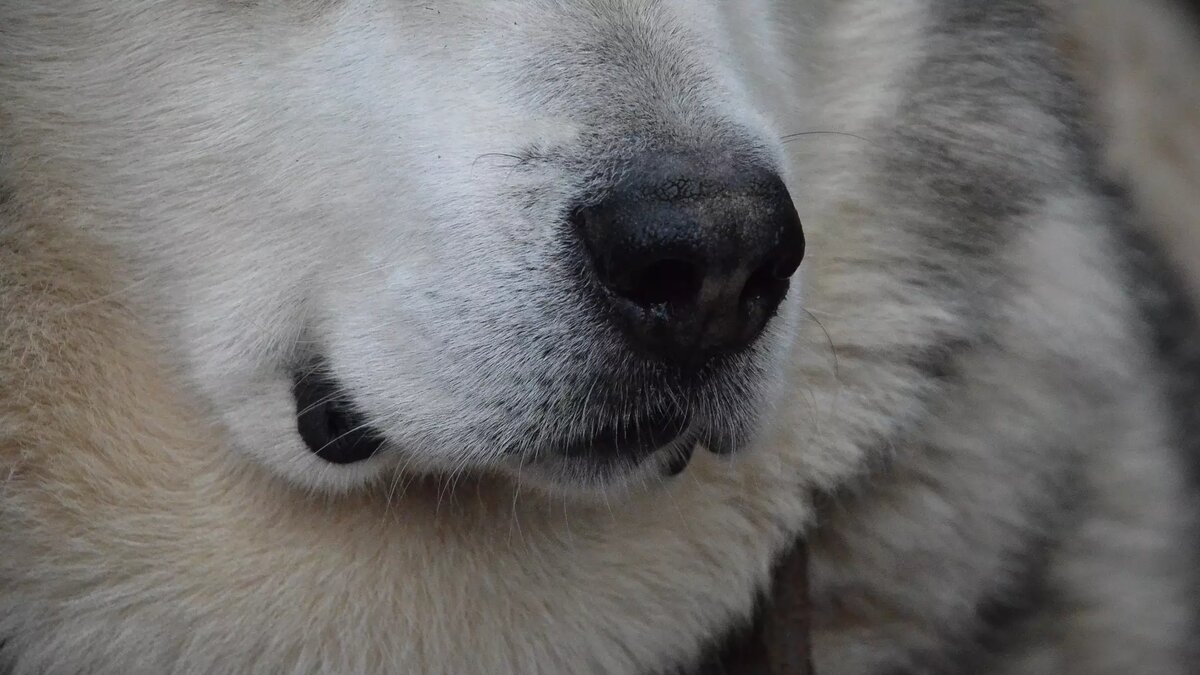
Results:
[1139, 61]
[966, 405]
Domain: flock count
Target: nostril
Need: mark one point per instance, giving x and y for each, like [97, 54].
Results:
[621, 266]
[766, 282]
[665, 281]
[769, 281]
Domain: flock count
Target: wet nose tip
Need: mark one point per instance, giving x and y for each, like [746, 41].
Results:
[692, 262]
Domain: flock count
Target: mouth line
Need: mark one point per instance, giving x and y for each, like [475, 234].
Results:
[673, 437]
[335, 430]
[328, 422]
[634, 439]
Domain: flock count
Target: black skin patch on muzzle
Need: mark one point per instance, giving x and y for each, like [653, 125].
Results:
[327, 420]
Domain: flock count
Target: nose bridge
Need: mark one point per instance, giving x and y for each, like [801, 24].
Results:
[674, 99]
[640, 71]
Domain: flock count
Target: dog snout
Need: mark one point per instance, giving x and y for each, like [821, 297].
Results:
[692, 257]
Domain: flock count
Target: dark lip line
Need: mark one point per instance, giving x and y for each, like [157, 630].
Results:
[334, 430]
[684, 442]
[641, 436]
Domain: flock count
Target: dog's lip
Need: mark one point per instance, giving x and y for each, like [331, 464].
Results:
[328, 422]
[680, 458]
[671, 438]
[633, 439]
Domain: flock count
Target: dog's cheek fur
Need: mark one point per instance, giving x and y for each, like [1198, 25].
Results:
[134, 538]
[446, 260]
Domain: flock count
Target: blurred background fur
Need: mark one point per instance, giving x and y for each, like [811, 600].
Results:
[1141, 61]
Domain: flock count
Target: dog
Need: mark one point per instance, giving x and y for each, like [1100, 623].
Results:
[525, 336]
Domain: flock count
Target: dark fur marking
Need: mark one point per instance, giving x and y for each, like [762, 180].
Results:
[953, 153]
[999, 615]
[738, 648]
[963, 183]
[946, 157]
[1173, 323]
[1192, 8]
[776, 640]
[1174, 326]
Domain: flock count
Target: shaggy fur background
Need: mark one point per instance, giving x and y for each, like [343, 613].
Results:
[1142, 61]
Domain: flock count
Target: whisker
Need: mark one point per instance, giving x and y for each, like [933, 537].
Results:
[788, 138]
[829, 341]
[341, 436]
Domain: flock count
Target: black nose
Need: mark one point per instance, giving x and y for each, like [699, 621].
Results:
[693, 258]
